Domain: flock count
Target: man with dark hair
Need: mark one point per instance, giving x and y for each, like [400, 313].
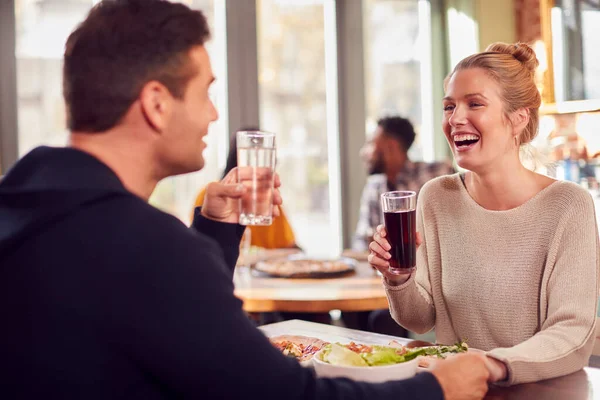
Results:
[386, 159]
[159, 36]
[103, 296]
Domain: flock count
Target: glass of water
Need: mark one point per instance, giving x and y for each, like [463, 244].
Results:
[256, 155]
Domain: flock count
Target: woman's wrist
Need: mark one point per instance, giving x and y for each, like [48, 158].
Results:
[498, 370]
[398, 280]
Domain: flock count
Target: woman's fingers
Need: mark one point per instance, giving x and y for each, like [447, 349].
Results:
[378, 262]
[376, 248]
[381, 241]
[380, 237]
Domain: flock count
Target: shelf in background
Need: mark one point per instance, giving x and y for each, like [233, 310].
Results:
[570, 107]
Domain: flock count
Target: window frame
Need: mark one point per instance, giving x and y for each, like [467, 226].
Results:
[8, 87]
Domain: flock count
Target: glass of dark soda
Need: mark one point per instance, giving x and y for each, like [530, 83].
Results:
[399, 214]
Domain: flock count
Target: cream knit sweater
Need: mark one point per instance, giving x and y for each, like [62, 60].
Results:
[521, 284]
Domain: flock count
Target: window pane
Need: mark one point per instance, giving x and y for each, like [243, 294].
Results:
[394, 53]
[590, 21]
[42, 29]
[293, 104]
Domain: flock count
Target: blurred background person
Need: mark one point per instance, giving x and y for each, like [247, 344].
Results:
[386, 157]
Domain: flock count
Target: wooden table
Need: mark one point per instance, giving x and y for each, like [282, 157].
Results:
[361, 291]
[582, 385]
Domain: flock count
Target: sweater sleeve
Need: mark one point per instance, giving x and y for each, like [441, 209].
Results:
[411, 304]
[565, 340]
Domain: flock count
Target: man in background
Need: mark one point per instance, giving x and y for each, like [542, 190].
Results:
[386, 157]
[389, 167]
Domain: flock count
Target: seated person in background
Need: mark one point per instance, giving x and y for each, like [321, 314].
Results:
[278, 235]
[103, 296]
[389, 168]
[508, 258]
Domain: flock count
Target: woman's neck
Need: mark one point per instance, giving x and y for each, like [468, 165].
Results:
[504, 188]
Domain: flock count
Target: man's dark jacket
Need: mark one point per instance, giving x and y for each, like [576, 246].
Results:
[103, 296]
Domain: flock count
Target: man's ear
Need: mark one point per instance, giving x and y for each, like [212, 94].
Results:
[157, 104]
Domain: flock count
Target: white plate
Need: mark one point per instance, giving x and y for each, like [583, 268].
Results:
[378, 374]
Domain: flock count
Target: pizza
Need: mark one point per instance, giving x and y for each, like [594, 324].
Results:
[302, 348]
[303, 268]
[256, 254]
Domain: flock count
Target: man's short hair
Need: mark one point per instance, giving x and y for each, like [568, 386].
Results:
[121, 46]
[398, 128]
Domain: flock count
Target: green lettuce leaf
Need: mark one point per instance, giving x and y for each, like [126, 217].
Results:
[382, 356]
[337, 354]
[438, 351]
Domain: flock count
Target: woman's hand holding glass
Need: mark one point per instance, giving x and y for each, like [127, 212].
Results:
[380, 256]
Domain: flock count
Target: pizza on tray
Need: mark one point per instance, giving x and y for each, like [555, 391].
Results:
[303, 268]
[302, 348]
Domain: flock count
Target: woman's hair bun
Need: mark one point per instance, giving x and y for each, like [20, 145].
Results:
[522, 52]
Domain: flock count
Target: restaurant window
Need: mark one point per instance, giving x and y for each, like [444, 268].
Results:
[590, 21]
[297, 88]
[42, 27]
[575, 41]
[397, 45]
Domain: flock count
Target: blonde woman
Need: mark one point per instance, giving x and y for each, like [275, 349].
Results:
[508, 258]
